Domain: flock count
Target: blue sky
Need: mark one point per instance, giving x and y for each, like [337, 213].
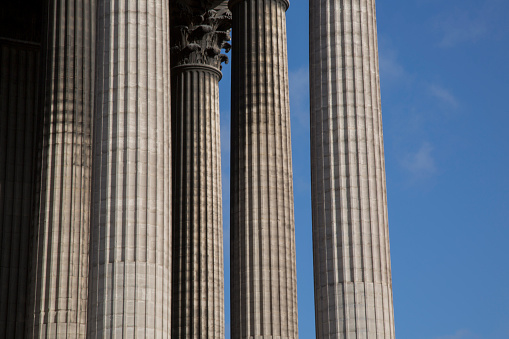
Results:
[445, 92]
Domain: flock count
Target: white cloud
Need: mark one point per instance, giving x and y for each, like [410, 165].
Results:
[299, 99]
[225, 134]
[444, 95]
[390, 68]
[301, 184]
[459, 27]
[392, 71]
[460, 334]
[420, 164]
[299, 82]
[470, 24]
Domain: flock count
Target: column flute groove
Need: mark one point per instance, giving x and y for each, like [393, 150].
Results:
[199, 35]
[130, 261]
[350, 229]
[263, 273]
[57, 292]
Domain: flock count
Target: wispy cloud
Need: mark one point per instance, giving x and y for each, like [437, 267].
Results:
[460, 334]
[470, 24]
[225, 173]
[444, 95]
[299, 99]
[299, 102]
[225, 133]
[301, 184]
[392, 70]
[420, 164]
[460, 26]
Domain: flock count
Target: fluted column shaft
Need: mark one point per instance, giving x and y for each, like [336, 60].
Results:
[353, 288]
[198, 275]
[130, 268]
[19, 73]
[59, 262]
[263, 270]
[198, 36]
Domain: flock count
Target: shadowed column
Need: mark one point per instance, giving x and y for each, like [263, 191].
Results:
[198, 269]
[57, 294]
[20, 45]
[19, 72]
[352, 271]
[263, 270]
[130, 260]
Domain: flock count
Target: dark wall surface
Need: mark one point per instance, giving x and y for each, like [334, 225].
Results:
[21, 20]
[20, 37]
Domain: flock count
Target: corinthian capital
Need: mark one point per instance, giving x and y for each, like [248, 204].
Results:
[200, 38]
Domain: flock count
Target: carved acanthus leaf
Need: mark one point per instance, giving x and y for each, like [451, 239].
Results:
[199, 39]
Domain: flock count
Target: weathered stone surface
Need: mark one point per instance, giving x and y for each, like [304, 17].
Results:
[57, 293]
[353, 288]
[198, 269]
[263, 270]
[198, 274]
[130, 275]
[131, 231]
[199, 39]
[199, 6]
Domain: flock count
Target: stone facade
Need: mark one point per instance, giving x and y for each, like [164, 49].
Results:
[110, 171]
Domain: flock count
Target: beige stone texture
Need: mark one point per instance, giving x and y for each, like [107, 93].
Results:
[57, 293]
[263, 271]
[130, 268]
[352, 271]
[198, 274]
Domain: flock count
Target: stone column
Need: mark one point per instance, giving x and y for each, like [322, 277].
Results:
[19, 73]
[263, 270]
[130, 268]
[57, 293]
[353, 288]
[198, 274]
